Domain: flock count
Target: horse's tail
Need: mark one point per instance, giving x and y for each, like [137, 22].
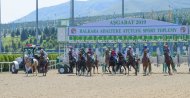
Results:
[35, 62]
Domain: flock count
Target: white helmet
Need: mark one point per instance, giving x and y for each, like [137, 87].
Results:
[129, 46]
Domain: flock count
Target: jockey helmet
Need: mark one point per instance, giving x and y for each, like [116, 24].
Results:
[129, 47]
[42, 50]
[145, 47]
[166, 46]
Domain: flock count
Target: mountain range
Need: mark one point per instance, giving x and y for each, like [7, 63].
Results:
[104, 7]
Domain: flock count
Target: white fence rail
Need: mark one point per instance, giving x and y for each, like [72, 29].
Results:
[2, 65]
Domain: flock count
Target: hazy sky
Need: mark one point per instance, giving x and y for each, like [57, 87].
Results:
[14, 9]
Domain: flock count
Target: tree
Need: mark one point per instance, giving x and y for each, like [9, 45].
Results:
[4, 35]
[12, 34]
[158, 18]
[31, 41]
[41, 40]
[6, 48]
[19, 45]
[163, 18]
[17, 32]
[24, 35]
[13, 46]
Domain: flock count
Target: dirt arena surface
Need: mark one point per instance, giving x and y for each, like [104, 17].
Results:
[54, 85]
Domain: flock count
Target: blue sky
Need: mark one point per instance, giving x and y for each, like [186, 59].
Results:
[14, 9]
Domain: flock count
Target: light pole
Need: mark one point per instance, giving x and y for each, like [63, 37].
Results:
[72, 13]
[36, 22]
[0, 29]
[123, 9]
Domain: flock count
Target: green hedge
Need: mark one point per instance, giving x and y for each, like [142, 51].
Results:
[12, 57]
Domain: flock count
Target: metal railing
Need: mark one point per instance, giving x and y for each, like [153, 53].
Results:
[2, 65]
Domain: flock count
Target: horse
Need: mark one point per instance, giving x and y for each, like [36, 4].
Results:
[121, 62]
[95, 64]
[112, 63]
[89, 64]
[133, 62]
[43, 63]
[72, 63]
[169, 61]
[146, 63]
[31, 63]
[80, 65]
[107, 58]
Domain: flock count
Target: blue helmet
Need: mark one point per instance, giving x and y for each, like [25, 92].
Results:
[145, 47]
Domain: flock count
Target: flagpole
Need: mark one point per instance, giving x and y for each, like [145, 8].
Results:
[0, 29]
[36, 21]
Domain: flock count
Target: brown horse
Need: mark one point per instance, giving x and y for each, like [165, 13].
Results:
[43, 64]
[107, 58]
[121, 62]
[169, 61]
[112, 63]
[29, 64]
[95, 64]
[146, 63]
[80, 65]
[132, 62]
[89, 64]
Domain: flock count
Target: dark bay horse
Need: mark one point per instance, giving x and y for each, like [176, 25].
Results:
[43, 63]
[132, 62]
[80, 65]
[89, 64]
[146, 63]
[169, 61]
[96, 63]
[72, 63]
[121, 62]
[107, 58]
[112, 63]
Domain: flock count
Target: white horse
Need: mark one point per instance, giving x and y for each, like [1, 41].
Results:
[29, 64]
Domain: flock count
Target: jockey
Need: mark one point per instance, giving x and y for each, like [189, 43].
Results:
[30, 56]
[130, 51]
[82, 52]
[147, 50]
[166, 49]
[43, 54]
[91, 53]
[72, 52]
[113, 54]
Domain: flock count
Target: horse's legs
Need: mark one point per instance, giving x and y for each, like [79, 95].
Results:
[150, 67]
[36, 70]
[97, 69]
[134, 66]
[144, 71]
[93, 69]
[124, 69]
[169, 70]
[109, 69]
[127, 64]
[113, 68]
[32, 70]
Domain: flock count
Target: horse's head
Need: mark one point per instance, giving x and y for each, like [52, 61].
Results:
[145, 52]
[119, 54]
